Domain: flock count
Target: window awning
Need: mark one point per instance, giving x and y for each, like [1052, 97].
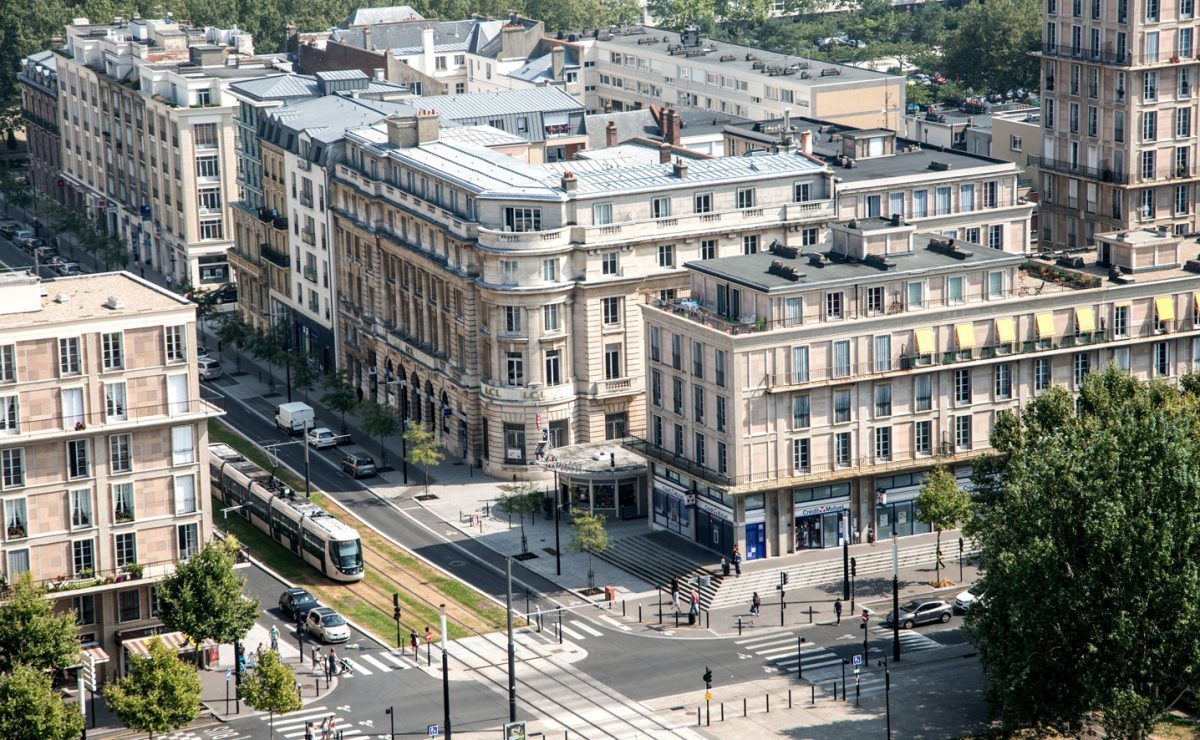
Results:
[965, 334]
[1196, 300]
[1164, 308]
[1006, 332]
[95, 651]
[1045, 325]
[176, 641]
[924, 339]
[1085, 321]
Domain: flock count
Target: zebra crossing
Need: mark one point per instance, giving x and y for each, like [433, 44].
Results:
[366, 664]
[293, 725]
[910, 641]
[576, 629]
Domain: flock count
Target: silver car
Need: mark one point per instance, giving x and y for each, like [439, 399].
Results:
[921, 611]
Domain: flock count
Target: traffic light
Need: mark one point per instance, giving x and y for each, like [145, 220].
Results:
[396, 606]
[707, 678]
[853, 567]
[783, 578]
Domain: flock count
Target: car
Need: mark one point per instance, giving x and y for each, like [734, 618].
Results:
[227, 293]
[210, 368]
[44, 252]
[8, 228]
[65, 269]
[322, 437]
[921, 611]
[55, 261]
[296, 603]
[965, 600]
[202, 351]
[327, 624]
[358, 465]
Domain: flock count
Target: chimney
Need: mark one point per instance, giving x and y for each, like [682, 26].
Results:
[379, 74]
[787, 119]
[670, 126]
[557, 63]
[664, 153]
[367, 38]
[806, 138]
[568, 182]
[427, 126]
[681, 169]
[610, 134]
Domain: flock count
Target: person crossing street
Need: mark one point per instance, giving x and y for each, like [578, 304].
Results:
[837, 609]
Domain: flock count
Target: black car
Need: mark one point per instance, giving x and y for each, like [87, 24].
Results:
[358, 465]
[227, 293]
[296, 603]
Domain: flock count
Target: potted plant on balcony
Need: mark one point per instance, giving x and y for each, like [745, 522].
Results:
[135, 570]
[84, 573]
[16, 530]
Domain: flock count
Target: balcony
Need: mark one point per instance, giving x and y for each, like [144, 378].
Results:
[789, 214]
[1099, 56]
[310, 274]
[306, 200]
[267, 214]
[527, 394]
[280, 223]
[275, 257]
[1103, 174]
[511, 240]
[308, 237]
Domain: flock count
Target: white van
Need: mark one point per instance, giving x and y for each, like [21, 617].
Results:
[210, 368]
[291, 417]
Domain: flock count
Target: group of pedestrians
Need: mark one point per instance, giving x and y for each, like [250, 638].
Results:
[328, 663]
[693, 609]
[327, 730]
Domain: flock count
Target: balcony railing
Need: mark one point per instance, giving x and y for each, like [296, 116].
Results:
[280, 222]
[1102, 173]
[93, 422]
[1101, 56]
[308, 236]
[275, 257]
[310, 274]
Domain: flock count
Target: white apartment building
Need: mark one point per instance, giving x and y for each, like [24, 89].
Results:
[103, 486]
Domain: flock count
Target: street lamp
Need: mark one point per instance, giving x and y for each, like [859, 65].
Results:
[887, 694]
[895, 595]
[403, 422]
[445, 674]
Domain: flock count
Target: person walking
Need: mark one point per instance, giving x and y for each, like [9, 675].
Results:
[168, 280]
[675, 593]
[316, 658]
[737, 562]
[537, 617]
[274, 638]
[837, 610]
[414, 641]
[308, 731]
[325, 729]
[755, 607]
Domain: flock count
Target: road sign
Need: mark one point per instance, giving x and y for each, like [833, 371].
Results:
[707, 696]
[857, 660]
[228, 674]
[514, 731]
[433, 730]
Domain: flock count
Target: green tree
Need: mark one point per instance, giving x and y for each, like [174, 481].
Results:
[1094, 507]
[161, 693]
[944, 505]
[523, 498]
[380, 421]
[270, 347]
[676, 14]
[339, 394]
[588, 535]
[980, 56]
[304, 374]
[31, 633]
[232, 332]
[16, 191]
[271, 687]
[204, 599]
[423, 449]
[30, 708]
[110, 250]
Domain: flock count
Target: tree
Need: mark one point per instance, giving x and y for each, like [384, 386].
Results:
[203, 597]
[233, 332]
[269, 346]
[588, 535]
[979, 56]
[339, 394]
[30, 708]
[30, 632]
[304, 374]
[1092, 504]
[523, 498]
[160, 694]
[423, 448]
[944, 505]
[271, 687]
[380, 421]
[16, 191]
[676, 14]
[110, 250]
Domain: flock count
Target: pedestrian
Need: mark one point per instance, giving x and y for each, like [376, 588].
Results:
[308, 731]
[333, 727]
[737, 561]
[316, 658]
[412, 638]
[258, 651]
[675, 593]
[837, 610]
[274, 638]
[695, 601]
[537, 616]
[143, 268]
[168, 281]
[325, 728]
[755, 606]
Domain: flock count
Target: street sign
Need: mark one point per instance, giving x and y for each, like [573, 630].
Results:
[228, 674]
[514, 731]
[433, 730]
[857, 660]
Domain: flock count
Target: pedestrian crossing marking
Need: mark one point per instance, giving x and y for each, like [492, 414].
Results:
[358, 667]
[587, 629]
[394, 660]
[378, 664]
[570, 632]
[614, 623]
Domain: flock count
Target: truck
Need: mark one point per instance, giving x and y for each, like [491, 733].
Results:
[292, 417]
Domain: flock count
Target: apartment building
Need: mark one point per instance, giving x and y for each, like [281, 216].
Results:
[1118, 113]
[103, 488]
[952, 193]
[497, 299]
[148, 137]
[39, 110]
[798, 398]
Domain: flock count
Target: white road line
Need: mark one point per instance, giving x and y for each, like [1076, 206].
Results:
[614, 623]
[393, 659]
[382, 667]
[571, 633]
[301, 714]
[751, 642]
[358, 667]
[587, 629]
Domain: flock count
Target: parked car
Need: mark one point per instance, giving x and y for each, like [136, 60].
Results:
[44, 252]
[227, 293]
[8, 228]
[921, 611]
[296, 603]
[65, 269]
[322, 437]
[358, 465]
[327, 624]
[210, 367]
[965, 600]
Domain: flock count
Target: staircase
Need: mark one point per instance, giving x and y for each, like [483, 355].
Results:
[657, 557]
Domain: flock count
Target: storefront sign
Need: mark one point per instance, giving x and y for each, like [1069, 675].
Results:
[714, 510]
[814, 510]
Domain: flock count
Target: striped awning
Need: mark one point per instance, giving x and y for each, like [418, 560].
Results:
[176, 641]
[97, 653]
[1006, 332]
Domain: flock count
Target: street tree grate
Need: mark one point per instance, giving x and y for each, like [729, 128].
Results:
[426, 497]
[525, 556]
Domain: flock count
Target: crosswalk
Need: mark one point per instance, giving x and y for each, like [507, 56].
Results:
[367, 664]
[910, 641]
[576, 629]
[293, 725]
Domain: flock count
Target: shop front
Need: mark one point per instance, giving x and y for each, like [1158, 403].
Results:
[896, 506]
[672, 507]
[714, 527]
[822, 516]
[600, 479]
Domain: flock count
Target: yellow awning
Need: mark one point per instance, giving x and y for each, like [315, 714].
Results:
[924, 341]
[1085, 321]
[1006, 333]
[1196, 300]
[1045, 325]
[965, 333]
[1164, 308]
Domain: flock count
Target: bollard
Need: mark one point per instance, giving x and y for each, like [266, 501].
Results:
[814, 694]
[622, 607]
[739, 626]
[698, 722]
[560, 626]
[768, 703]
[708, 619]
[639, 613]
[676, 619]
[835, 689]
[722, 711]
[789, 698]
[743, 706]
[810, 614]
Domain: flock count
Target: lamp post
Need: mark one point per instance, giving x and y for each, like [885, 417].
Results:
[512, 665]
[307, 485]
[557, 544]
[895, 595]
[445, 674]
[887, 694]
[392, 721]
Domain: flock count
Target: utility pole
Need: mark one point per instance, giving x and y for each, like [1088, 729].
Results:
[445, 675]
[887, 694]
[845, 568]
[557, 545]
[307, 485]
[895, 595]
[512, 653]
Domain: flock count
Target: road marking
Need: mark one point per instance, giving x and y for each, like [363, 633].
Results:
[393, 659]
[587, 629]
[570, 632]
[615, 623]
[749, 642]
[374, 662]
[358, 668]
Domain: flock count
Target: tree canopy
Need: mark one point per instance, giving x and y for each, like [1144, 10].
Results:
[991, 48]
[944, 505]
[271, 687]
[203, 597]
[31, 633]
[1086, 520]
[30, 708]
[161, 693]
[424, 449]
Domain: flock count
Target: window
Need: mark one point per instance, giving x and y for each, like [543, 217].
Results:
[801, 413]
[656, 388]
[920, 203]
[16, 519]
[703, 202]
[745, 197]
[883, 353]
[550, 317]
[83, 557]
[129, 606]
[182, 445]
[802, 192]
[612, 362]
[699, 449]
[205, 135]
[676, 351]
[719, 367]
[991, 194]
[660, 207]
[841, 406]
[210, 198]
[883, 444]
[18, 562]
[68, 356]
[1014, 143]
[126, 547]
[833, 305]
[677, 396]
[750, 244]
[962, 432]
[923, 392]
[1041, 373]
[954, 291]
[658, 431]
[608, 263]
[873, 207]
[875, 299]
[176, 347]
[942, 201]
[185, 494]
[188, 540]
[841, 449]
[655, 344]
[611, 309]
[698, 403]
[120, 456]
[508, 271]
[111, 351]
[1082, 365]
[1150, 125]
[122, 496]
[1121, 320]
[800, 364]
[841, 358]
[522, 219]
[698, 359]
[515, 368]
[1162, 359]
[177, 398]
[10, 416]
[13, 461]
[8, 363]
[512, 319]
[78, 460]
[1149, 86]
[801, 455]
[722, 458]
[85, 609]
[666, 256]
[115, 407]
[720, 413]
[616, 425]
[962, 386]
[916, 295]
[883, 400]
[72, 407]
[553, 367]
[208, 166]
[1003, 381]
[81, 508]
[679, 440]
[602, 214]
[708, 249]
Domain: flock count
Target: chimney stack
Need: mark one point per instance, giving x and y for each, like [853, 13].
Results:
[787, 119]
[681, 168]
[428, 126]
[610, 134]
[670, 126]
[558, 63]
[664, 153]
[568, 182]
[806, 139]
[367, 38]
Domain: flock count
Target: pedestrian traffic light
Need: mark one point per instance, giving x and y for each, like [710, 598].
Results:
[707, 678]
[853, 567]
[783, 578]
[396, 606]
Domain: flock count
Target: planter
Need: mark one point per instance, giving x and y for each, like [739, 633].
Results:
[16, 532]
[123, 517]
[134, 570]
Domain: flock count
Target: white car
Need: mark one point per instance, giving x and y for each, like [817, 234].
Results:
[966, 599]
[327, 624]
[322, 437]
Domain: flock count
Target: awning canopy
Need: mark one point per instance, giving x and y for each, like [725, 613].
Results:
[924, 339]
[97, 653]
[176, 641]
[1085, 321]
[1164, 308]
[1006, 333]
[965, 334]
[1045, 325]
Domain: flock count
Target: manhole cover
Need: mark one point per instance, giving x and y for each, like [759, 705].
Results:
[457, 563]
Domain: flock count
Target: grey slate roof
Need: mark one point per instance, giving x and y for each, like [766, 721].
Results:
[505, 102]
[405, 38]
[278, 87]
